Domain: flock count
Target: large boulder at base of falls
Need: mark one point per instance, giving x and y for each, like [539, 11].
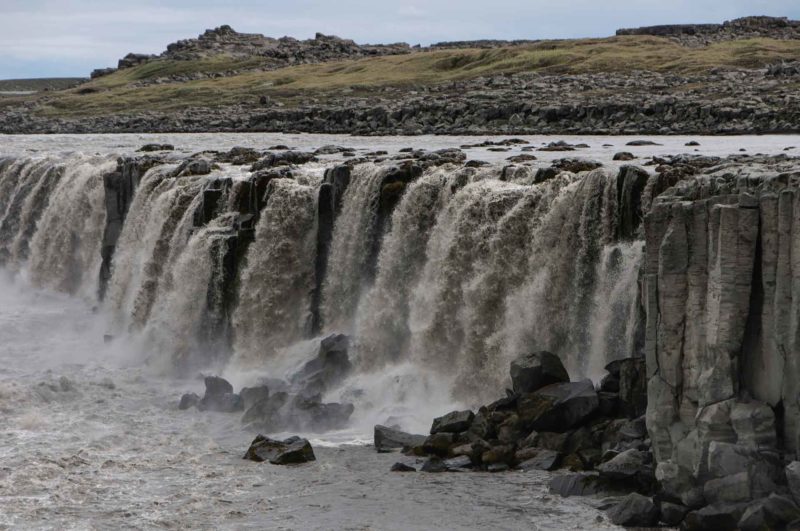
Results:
[329, 368]
[558, 407]
[531, 372]
[630, 375]
[293, 450]
[453, 422]
[219, 396]
[253, 395]
[390, 439]
[634, 510]
[189, 400]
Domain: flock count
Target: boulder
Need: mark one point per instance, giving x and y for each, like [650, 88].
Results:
[434, 465]
[559, 407]
[626, 466]
[458, 464]
[774, 512]
[386, 439]
[328, 369]
[189, 400]
[290, 451]
[717, 517]
[793, 478]
[673, 514]
[754, 424]
[402, 467]
[453, 422]
[267, 412]
[544, 460]
[253, 395]
[730, 489]
[579, 484]
[624, 156]
[219, 396]
[634, 510]
[439, 443]
[533, 371]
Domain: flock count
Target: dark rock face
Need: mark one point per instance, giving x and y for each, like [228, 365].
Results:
[634, 510]
[580, 484]
[189, 400]
[401, 467]
[219, 396]
[288, 452]
[530, 372]
[386, 439]
[559, 407]
[718, 517]
[329, 368]
[453, 422]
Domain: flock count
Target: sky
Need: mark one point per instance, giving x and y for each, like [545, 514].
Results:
[65, 38]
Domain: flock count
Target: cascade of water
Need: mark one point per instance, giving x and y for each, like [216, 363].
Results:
[160, 202]
[275, 286]
[25, 190]
[353, 237]
[382, 322]
[65, 249]
[184, 308]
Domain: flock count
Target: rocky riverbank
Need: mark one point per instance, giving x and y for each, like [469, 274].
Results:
[720, 102]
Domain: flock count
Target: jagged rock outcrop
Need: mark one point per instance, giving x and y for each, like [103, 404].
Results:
[740, 28]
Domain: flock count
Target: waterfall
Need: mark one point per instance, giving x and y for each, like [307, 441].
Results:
[275, 288]
[444, 275]
[353, 237]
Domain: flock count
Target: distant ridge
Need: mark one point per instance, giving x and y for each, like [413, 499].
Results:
[740, 28]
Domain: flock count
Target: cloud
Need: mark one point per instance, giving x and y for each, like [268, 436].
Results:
[49, 36]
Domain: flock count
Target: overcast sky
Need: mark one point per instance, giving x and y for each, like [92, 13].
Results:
[41, 38]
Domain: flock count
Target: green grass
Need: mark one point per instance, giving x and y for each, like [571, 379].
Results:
[292, 85]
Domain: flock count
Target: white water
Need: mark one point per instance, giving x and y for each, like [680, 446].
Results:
[473, 272]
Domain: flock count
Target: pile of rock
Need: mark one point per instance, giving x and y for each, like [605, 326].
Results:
[281, 405]
[546, 422]
[291, 451]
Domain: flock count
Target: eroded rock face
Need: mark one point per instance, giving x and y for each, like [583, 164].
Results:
[531, 372]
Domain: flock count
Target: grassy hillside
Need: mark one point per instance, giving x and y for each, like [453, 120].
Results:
[125, 91]
[37, 84]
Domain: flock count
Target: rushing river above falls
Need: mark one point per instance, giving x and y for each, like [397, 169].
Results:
[439, 278]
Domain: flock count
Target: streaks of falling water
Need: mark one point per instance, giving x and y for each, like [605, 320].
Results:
[184, 308]
[458, 243]
[65, 249]
[275, 288]
[382, 322]
[159, 204]
[353, 237]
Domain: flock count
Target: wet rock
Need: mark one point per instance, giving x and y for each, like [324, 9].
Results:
[439, 443]
[219, 396]
[579, 484]
[290, 451]
[189, 400]
[531, 372]
[793, 479]
[774, 512]
[729, 489]
[692, 143]
[624, 155]
[156, 147]
[634, 510]
[500, 453]
[576, 165]
[328, 369]
[498, 467]
[253, 395]
[544, 460]
[331, 149]
[559, 407]
[458, 464]
[194, 166]
[628, 465]
[633, 387]
[642, 143]
[434, 465]
[673, 513]
[267, 413]
[283, 158]
[718, 517]
[401, 467]
[453, 422]
[386, 439]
